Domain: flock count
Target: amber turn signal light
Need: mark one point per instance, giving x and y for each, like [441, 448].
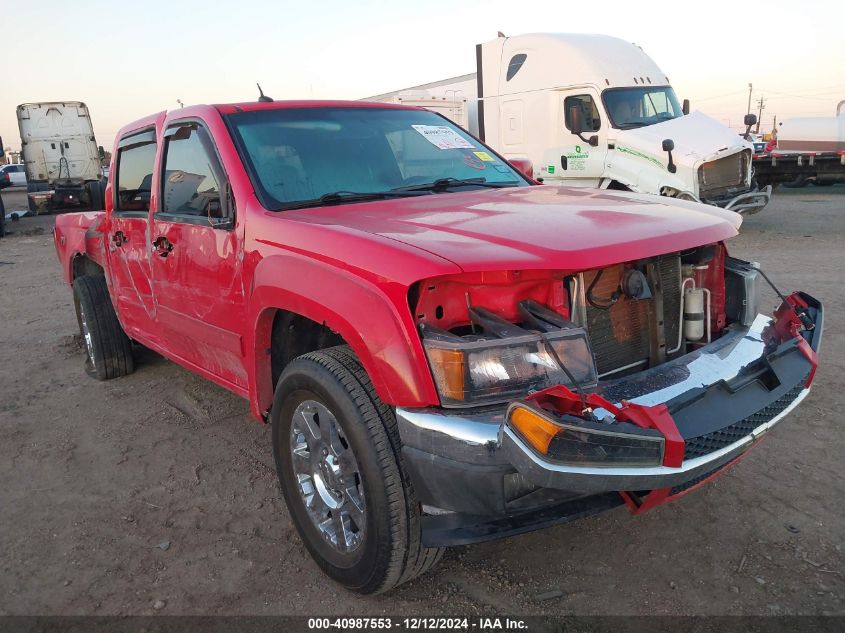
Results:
[537, 430]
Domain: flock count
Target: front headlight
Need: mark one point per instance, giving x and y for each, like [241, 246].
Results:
[581, 443]
[475, 370]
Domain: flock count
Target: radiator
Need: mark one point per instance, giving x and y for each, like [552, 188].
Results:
[723, 177]
[620, 335]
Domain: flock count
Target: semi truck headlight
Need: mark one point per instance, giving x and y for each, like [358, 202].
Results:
[583, 443]
[484, 371]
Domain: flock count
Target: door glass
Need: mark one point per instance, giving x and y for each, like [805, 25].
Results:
[589, 112]
[191, 181]
[135, 175]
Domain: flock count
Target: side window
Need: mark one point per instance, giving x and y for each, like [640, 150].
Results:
[135, 160]
[191, 183]
[515, 64]
[589, 112]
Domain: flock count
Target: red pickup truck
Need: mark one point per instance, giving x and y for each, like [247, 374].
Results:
[448, 351]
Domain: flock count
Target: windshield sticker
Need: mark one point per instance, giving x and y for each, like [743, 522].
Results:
[443, 137]
[484, 156]
[470, 160]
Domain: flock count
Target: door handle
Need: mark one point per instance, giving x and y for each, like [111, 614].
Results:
[163, 246]
[119, 238]
[563, 162]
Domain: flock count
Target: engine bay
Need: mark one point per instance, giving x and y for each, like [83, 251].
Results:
[494, 336]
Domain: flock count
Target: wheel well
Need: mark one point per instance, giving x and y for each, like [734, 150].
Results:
[615, 185]
[294, 335]
[83, 265]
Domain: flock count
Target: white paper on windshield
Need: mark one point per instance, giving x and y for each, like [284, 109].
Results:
[443, 137]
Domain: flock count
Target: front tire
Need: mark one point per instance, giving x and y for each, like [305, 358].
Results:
[108, 349]
[339, 463]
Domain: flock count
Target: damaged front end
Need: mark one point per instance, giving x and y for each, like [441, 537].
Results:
[565, 394]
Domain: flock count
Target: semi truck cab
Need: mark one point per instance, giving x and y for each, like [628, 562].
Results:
[596, 111]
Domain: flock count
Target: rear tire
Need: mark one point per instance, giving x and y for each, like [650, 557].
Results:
[108, 349]
[35, 187]
[375, 544]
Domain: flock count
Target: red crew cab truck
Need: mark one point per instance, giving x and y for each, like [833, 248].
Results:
[447, 351]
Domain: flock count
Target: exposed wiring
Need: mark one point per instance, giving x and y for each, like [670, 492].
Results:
[613, 298]
[585, 410]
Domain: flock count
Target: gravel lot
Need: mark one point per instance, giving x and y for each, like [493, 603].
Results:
[156, 493]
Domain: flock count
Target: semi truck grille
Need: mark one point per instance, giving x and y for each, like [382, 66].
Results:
[706, 444]
[724, 177]
[620, 335]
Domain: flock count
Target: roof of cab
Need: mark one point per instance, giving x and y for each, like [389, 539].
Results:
[251, 106]
[159, 118]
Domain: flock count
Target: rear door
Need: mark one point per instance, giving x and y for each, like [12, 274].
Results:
[128, 232]
[197, 255]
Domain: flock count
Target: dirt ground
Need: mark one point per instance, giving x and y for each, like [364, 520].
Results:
[156, 493]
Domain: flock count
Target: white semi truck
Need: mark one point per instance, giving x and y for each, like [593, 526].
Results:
[61, 156]
[595, 111]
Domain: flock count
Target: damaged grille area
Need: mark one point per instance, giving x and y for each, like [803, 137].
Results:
[620, 335]
[723, 177]
[706, 444]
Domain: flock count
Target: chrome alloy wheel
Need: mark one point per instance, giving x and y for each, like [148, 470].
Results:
[327, 473]
[86, 334]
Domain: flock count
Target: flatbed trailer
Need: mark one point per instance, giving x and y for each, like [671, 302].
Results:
[798, 168]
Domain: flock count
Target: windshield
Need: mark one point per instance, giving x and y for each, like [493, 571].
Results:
[637, 107]
[296, 156]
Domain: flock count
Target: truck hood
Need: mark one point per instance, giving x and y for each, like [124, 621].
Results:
[538, 227]
[697, 138]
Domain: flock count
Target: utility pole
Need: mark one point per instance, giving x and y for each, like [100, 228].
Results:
[749, 99]
[762, 105]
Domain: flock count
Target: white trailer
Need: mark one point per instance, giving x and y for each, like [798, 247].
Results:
[809, 150]
[596, 111]
[60, 154]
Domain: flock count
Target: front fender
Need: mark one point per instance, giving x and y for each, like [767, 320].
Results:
[373, 319]
[78, 234]
[646, 173]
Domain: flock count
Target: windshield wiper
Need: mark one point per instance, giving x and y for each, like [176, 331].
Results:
[343, 197]
[442, 184]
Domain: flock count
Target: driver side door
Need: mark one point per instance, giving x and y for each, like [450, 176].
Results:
[571, 159]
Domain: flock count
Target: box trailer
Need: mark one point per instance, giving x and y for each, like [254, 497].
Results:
[61, 156]
[596, 111]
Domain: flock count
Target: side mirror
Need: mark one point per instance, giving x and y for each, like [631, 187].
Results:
[685, 107]
[749, 120]
[668, 146]
[576, 123]
[523, 166]
[101, 152]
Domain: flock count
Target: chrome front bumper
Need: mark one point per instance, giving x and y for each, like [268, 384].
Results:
[442, 443]
[750, 202]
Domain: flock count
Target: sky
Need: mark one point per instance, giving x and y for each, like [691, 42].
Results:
[130, 59]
